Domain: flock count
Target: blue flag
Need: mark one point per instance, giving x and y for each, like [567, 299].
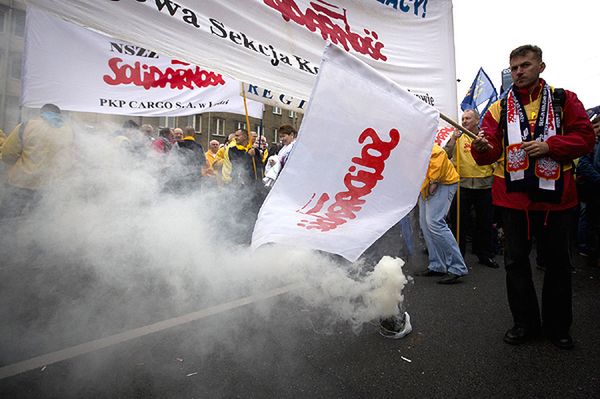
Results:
[482, 90]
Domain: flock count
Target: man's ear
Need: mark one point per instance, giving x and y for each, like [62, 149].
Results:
[542, 66]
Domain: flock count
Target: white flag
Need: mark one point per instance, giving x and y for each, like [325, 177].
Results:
[81, 70]
[357, 166]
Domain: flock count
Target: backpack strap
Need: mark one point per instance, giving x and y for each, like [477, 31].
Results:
[21, 133]
[558, 102]
[503, 113]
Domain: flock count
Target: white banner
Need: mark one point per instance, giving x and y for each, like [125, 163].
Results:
[277, 44]
[375, 151]
[274, 99]
[81, 70]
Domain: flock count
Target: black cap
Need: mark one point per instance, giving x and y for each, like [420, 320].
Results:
[50, 108]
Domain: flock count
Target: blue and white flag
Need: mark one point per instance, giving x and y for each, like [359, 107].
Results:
[482, 90]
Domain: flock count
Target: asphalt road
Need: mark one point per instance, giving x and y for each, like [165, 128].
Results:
[279, 348]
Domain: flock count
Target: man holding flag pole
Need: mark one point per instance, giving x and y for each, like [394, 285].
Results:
[474, 187]
[475, 192]
[534, 135]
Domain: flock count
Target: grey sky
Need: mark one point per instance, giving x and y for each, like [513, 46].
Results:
[486, 31]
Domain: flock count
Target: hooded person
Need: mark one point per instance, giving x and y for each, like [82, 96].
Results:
[36, 152]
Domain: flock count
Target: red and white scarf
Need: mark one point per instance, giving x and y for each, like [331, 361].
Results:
[518, 130]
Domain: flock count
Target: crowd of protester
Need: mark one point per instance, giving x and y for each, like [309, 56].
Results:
[492, 191]
[36, 150]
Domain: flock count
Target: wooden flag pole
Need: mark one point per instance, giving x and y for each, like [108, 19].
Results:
[457, 126]
[457, 148]
[248, 126]
[246, 111]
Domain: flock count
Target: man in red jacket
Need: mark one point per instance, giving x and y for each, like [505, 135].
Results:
[534, 134]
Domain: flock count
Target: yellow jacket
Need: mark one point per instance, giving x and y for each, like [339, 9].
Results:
[36, 155]
[225, 162]
[217, 162]
[210, 157]
[440, 170]
[467, 167]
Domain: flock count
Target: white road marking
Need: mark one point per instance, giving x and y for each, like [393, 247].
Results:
[77, 350]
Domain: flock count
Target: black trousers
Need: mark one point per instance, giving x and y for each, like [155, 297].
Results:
[479, 200]
[593, 233]
[551, 230]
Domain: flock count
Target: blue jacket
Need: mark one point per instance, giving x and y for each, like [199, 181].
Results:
[589, 167]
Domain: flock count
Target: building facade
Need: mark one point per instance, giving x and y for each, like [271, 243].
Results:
[218, 125]
[12, 33]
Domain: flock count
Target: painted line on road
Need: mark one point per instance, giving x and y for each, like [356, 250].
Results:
[77, 350]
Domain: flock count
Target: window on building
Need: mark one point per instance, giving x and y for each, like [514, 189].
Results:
[12, 110]
[3, 14]
[258, 129]
[240, 126]
[220, 131]
[275, 136]
[292, 114]
[15, 66]
[19, 23]
[277, 110]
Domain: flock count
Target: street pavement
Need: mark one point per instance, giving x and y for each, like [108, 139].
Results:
[280, 348]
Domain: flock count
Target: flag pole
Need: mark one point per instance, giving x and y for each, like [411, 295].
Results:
[457, 126]
[457, 148]
[246, 110]
[248, 126]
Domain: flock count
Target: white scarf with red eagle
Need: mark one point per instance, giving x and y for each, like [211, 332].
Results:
[518, 130]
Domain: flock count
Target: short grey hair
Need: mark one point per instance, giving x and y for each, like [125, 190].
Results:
[474, 111]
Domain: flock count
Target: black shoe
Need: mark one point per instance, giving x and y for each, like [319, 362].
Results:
[519, 335]
[396, 326]
[565, 342]
[489, 262]
[450, 279]
[429, 273]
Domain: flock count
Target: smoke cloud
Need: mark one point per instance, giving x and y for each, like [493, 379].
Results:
[109, 249]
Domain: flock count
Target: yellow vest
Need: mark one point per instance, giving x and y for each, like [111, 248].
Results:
[467, 167]
[210, 157]
[43, 152]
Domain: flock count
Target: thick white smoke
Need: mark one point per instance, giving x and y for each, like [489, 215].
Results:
[109, 218]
